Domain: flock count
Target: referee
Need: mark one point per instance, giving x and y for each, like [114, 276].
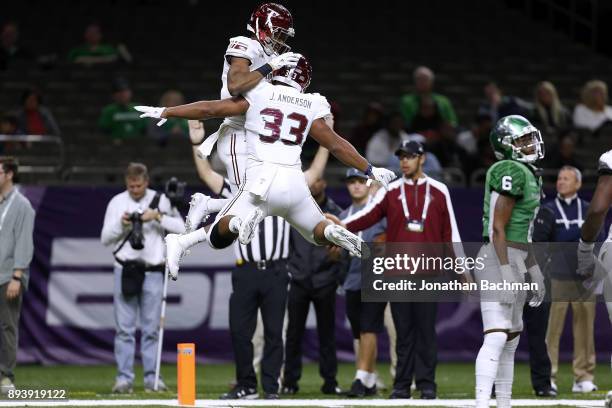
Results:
[259, 282]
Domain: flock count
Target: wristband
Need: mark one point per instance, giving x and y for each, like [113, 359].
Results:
[264, 70]
[368, 170]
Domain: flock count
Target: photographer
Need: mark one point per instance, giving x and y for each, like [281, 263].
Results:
[135, 224]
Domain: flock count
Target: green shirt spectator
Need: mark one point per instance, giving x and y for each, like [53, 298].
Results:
[120, 119]
[423, 82]
[409, 107]
[93, 51]
[82, 53]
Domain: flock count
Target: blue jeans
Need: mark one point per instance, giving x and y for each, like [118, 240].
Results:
[146, 307]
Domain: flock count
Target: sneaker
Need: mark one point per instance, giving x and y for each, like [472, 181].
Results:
[400, 394]
[240, 392]
[428, 394]
[358, 390]
[174, 253]
[161, 386]
[271, 396]
[553, 386]
[6, 385]
[609, 399]
[198, 211]
[584, 387]
[546, 393]
[290, 389]
[347, 240]
[122, 387]
[247, 228]
[331, 388]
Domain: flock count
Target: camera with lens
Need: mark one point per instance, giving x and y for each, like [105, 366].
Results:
[175, 191]
[136, 236]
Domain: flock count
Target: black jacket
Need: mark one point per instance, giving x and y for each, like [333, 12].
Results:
[308, 263]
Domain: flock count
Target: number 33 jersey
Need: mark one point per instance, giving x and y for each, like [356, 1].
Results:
[519, 181]
[278, 121]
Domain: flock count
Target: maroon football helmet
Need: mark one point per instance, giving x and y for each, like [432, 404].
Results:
[272, 25]
[298, 77]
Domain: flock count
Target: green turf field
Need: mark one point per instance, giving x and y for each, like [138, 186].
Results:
[455, 381]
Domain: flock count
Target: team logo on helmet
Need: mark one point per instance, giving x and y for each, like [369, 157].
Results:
[515, 138]
[272, 25]
[298, 77]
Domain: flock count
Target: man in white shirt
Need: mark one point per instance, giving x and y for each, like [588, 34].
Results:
[139, 268]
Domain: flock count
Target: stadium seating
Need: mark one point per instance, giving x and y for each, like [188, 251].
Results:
[179, 45]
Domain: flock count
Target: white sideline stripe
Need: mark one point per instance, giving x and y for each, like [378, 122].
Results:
[302, 403]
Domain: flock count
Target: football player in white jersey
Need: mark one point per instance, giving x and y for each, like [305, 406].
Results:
[588, 265]
[247, 61]
[279, 116]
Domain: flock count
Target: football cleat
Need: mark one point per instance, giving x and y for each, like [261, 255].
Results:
[174, 253]
[347, 240]
[198, 211]
[247, 228]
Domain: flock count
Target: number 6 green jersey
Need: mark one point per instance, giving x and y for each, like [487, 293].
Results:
[517, 180]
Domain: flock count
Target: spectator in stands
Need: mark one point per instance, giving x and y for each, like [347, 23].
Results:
[475, 143]
[16, 242]
[498, 105]
[592, 113]
[34, 118]
[385, 142]
[10, 49]
[371, 121]
[9, 127]
[174, 127]
[93, 51]
[120, 119]
[423, 84]
[550, 116]
[564, 153]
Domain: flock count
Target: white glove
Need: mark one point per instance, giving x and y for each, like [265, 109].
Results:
[586, 259]
[507, 296]
[537, 296]
[152, 112]
[288, 59]
[382, 175]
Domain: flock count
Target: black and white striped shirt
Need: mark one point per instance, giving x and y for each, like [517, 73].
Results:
[271, 240]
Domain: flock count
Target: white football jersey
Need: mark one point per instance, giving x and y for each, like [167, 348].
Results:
[243, 47]
[605, 167]
[278, 121]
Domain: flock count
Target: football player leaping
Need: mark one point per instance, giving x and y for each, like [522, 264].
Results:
[279, 116]
[512, 198]
[247, 61]
[587, 264]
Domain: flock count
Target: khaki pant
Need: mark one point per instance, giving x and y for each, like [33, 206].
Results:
[583, 318]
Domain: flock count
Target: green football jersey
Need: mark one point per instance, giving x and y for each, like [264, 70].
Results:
[518, 180]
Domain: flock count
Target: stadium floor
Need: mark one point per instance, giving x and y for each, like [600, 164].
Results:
[90, 386]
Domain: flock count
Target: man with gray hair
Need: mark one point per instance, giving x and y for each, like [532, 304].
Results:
[560, 220]
[16, 249]
[423, 87]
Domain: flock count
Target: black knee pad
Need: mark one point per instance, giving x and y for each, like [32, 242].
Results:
[217, 240]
